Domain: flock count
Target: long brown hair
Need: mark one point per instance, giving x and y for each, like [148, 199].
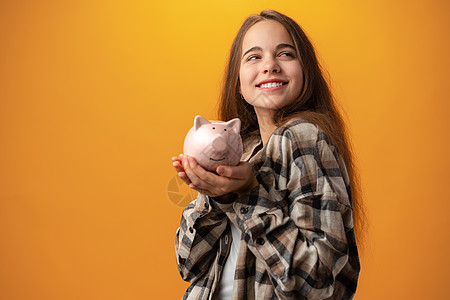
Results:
[315, 102]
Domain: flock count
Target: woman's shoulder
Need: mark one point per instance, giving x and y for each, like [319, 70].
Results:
[299, 134]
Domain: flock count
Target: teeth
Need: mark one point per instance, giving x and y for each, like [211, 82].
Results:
[270, 85]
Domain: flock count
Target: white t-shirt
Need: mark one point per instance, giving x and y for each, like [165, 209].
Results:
[224, 290]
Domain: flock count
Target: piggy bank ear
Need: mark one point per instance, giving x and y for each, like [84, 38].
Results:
[235, 124]
[200, 121]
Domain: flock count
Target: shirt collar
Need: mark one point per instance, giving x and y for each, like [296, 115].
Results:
[250, 144]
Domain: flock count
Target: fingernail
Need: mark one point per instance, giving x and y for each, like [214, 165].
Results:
[221, 170]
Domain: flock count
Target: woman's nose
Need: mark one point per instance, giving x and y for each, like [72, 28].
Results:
[271, 66]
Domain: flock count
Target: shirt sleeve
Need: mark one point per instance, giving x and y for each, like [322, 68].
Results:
[298, 219]
[196, 244]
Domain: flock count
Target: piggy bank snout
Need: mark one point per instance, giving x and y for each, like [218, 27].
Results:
[219, 144]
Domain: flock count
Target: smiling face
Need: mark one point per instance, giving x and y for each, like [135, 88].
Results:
[270, 74]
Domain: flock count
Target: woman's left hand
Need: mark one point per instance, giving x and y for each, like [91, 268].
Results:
[238, 179]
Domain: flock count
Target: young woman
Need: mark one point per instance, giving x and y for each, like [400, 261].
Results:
[280, 225]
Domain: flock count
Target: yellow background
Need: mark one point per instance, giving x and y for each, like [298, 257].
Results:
[96, 96]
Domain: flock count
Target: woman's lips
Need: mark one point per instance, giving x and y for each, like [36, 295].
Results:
[271, 86]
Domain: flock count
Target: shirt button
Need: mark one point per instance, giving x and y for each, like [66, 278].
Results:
[226, 240]
[191, 229]
[260, 241]
[244, 210]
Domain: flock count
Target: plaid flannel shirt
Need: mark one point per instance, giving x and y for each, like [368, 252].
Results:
[297, 239]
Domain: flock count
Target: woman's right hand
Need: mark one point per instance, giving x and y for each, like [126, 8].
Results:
[227, 179]
[177, 163]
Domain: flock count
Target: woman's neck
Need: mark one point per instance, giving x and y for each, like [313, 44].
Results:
[266, 125]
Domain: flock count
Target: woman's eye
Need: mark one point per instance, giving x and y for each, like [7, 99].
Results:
[253, 57]
[286, 54]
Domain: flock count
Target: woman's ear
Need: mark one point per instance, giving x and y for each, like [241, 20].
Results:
[240, 94]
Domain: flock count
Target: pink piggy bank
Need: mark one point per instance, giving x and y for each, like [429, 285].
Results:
[214, 143]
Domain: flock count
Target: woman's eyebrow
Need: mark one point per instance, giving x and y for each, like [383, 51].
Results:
[256, 48]
[278, 47]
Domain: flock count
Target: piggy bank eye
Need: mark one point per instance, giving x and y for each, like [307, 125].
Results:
[224, 129]
[214, 127]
